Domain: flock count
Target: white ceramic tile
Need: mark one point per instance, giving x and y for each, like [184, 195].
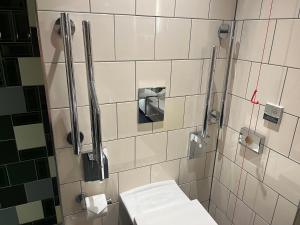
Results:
[259, 221]
[127, 121]
[241, 72]
[218, 165]
[282, 176]
[253, 40]
[115, 81]
[165, 171]
[61, 125]
[186, 188]
[260, 198]
[286, 43]
[285, 212]
[134, 37]
[112, 216]
[269, 41]
[231, 206]
[113, 6]
[109, 187]
[240, 113]
[242, 184]
[209, 164]
[178, 142]
[121, 154]
[222, 9]
[108, 121]
[201, 189]
[134, 178]
[255, 164]
[153, 74]
[69, 166]
[191, 169]
[228, 141]
[277, 138]
[155, 7]
[271, 81]
[221, 218]
[285, 9]
[69, 192]
[172, 38]
[173, 119]
[248, 9]
[295, 151]
[82, 217]
[291, 96]
[266, 6]
[68, 5]
[220, 195]
[193, 115]
[186, 77]
[151, 149]
[230, 175]
[202, 42]
[56, 85]
[192, 8]
[243, 215]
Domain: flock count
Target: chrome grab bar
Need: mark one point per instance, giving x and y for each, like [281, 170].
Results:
[227, 76]
[95, 115]
[207, 111]
[66, 33]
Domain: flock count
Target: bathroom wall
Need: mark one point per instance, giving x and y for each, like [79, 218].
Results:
[136, 43]
[250, 188]
[28, 185]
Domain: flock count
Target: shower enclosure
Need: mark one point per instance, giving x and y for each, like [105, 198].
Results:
[222, 74]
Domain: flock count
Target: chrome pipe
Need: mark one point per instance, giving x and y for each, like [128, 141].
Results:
[66, 33]
[227, 76]
[207, 110]
[95, 115]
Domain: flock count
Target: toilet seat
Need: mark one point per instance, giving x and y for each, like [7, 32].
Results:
[163, 203]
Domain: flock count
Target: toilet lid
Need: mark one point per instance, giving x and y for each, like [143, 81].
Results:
[188, 213]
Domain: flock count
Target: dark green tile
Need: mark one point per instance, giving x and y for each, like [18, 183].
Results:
[26, 118]
[22, 26]
[46, 122]
[2, 79]
[48, 207]
[9, 216]
[39, 190]
[8, 152]
[42, 168]
[35, 42]
[22, 172]
[32, 99]
[50, 145]
[12, 196]
[6, 26]
[13, 99]
[12, 72]
[3, 177]
[47, 221]
[33, 153]
[13, 4]
[6, 128]
[16, 50]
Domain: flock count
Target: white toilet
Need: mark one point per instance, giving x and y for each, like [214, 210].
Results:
[163, 203]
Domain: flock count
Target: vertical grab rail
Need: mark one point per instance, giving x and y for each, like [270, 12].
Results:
[207, 111]
[227, 76]
[98, 154]
[66, 33]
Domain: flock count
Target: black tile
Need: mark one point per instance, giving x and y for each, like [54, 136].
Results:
[47, 221]
[26, 118]
[22, 29]
[6, 128]
[12, 72]
[33, 153]
[35, 42]
[50, 145]
[2, 79]
[13, 4]
[16, 50]
[12, 196]
[32, 99]
[13, 99]
[22, 172]
[8, 152]
[42, 168]
[6, 27]
[55, 191]
[46, 121]
[43, 98]
[48, 207]
[3, 177]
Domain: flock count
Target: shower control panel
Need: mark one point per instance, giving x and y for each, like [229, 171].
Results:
[273, 113]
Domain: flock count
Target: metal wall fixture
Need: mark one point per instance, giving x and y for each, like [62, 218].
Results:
[65, 30]
[199, 140]
[252, 140]
[151, 104]
[227, 77]
[98, 171]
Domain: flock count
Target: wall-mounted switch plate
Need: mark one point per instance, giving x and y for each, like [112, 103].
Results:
[273, 113]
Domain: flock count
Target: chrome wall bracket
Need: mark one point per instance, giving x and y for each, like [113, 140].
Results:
[252, 140]
[198, 144]
[57, 27]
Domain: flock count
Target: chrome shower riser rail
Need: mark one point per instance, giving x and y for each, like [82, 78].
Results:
[66, 34]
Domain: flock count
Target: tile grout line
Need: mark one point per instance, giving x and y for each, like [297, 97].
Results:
[283, 86]
[293, 139]
[275, 28]
[190, 40]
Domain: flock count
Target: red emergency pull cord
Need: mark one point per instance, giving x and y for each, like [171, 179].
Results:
[253, 99]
